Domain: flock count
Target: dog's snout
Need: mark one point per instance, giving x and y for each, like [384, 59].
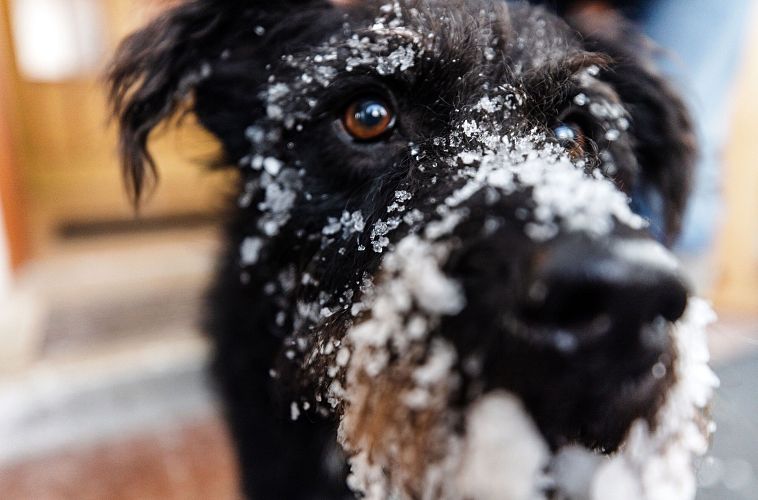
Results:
[595, 286]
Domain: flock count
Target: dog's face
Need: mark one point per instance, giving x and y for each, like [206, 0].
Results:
[438, 190]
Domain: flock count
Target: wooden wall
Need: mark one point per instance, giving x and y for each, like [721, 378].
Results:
[66, 150]
[737, 248]
[11, 190]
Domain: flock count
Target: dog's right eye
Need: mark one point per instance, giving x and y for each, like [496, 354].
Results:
[368, 119]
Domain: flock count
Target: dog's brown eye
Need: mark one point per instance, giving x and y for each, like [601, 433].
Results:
[368, 119]
[571, 136]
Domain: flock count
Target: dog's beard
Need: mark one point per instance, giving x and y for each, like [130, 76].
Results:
[651, 464]
[654, 464]
[406, 442]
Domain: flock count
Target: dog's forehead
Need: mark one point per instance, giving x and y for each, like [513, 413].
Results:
[520, 34]
[477, 44]
[479, 35]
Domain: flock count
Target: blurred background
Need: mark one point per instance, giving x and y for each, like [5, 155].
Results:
[102, 385]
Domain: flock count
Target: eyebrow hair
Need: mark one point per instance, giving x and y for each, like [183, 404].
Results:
[550, 85]
[552, 77]
[563, 69]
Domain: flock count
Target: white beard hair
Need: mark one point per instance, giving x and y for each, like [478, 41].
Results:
[501, 455]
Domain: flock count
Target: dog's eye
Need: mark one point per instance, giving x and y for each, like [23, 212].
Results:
[368, 119]
[571, 136]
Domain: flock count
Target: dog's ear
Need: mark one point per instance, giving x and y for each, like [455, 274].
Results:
[660, 124]
[159, 67]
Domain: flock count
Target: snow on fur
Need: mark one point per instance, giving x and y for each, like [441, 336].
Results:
[501, 455]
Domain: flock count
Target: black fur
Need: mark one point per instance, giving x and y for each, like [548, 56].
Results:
[216, 58]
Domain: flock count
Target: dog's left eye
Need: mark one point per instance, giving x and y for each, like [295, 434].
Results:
[572, 137]
[368, 119]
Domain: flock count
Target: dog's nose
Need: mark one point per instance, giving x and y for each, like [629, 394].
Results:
[590, 286]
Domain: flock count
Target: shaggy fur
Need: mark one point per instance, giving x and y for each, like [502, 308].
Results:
[304, 266]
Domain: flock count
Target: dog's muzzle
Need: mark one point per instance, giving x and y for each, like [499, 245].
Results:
[581, 290]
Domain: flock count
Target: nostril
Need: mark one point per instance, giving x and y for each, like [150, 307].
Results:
[565, 303]
[673, 299]
[590, 286]
[649, 263]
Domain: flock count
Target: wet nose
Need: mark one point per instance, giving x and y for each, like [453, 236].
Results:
[591, 285]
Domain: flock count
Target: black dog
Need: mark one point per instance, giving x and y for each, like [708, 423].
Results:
[434, 203]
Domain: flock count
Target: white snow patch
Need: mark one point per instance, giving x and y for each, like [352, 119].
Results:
[294, 411]
[250, 250]
[647, 253]
[280, 195]
[564, 195]
[442, 355]
[272, 165]
[400, 59]
[503, 453]
[489, 105]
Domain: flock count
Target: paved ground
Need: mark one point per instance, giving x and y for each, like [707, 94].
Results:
[162, 439]
[130, 415]
[188, 462]
[731, 470]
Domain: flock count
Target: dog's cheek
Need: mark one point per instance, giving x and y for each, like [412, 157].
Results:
[381, 423]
